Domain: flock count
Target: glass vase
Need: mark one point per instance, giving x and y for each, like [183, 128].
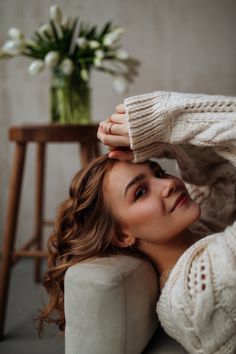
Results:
[70, 99]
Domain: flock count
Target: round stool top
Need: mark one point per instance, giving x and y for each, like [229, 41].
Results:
[53, 132]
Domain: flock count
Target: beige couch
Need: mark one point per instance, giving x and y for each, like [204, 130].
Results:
[110, 309]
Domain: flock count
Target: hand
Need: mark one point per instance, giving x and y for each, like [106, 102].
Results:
[113, 132]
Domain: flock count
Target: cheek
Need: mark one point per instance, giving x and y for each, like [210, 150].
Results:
[144, 216]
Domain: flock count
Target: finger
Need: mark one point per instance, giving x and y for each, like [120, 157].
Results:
[105, 121]
[122, 155]
[100, 133]
[112, 140]
[105, 126]
[120, 108]
[116, 129]
[118, 118]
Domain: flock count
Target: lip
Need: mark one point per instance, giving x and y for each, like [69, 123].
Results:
[182, 199]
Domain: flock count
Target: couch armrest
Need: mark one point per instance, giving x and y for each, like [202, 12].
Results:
[110, 306]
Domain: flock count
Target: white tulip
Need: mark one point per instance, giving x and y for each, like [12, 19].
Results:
[84, 74]
[99, 54]
[45, 29]
[15, 33]
[97, 62]
[118, 32]
[108, 39]
[120, 85]
[122, 55]
[55, 13]
[15, 47]
[51, 59]
[65, 22]
[94, 44]
[81, 42]
[113, 36]
[36, 67]
[67, 66]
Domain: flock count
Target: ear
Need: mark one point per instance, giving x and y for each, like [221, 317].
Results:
[124, 240]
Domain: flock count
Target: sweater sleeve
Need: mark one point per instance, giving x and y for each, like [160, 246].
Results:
[199, 131]
[161, 118]
[197, 306]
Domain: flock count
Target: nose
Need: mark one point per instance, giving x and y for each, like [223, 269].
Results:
[167, 187]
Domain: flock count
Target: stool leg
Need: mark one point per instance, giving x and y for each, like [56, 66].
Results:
[40, 167]
[10, 228]
[88, 151]
[96, 149]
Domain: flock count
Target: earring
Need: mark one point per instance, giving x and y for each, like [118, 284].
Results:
[131, 244]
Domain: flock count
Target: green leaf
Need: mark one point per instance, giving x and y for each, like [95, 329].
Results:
[54, 30]
[92, 33]
[106, 28]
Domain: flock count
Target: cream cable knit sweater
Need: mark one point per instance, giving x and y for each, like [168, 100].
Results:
[197, 306]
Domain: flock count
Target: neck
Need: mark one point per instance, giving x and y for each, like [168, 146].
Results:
[165, 256]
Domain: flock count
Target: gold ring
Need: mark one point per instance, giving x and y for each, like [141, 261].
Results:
[109, 130]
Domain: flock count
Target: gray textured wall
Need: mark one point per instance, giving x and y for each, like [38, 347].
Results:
[184, 45]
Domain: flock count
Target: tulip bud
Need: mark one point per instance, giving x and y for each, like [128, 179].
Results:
[36, 67]
[67, 66]
[84, 74]
[65, 22]
[120, 85]
[45, 29]
[15, 47]
[113, 36]
[99, 54]
[15, 33]
[81, 42]
[51, 59]
[97, 62]
[108, 39]
[94, 44]
[122, 55]
[118, 31]
[55, 13]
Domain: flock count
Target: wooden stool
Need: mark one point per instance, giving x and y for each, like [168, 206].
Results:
[86, 135]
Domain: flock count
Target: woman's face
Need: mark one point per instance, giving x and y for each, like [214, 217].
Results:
[150, 206]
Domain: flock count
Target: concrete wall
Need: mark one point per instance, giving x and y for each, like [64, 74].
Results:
[184, 45]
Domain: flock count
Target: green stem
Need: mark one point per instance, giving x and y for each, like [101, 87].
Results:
[70, 99]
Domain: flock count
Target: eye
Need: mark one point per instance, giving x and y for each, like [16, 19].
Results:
[140, 192]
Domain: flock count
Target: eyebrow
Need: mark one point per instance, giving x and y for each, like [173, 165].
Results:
[135, 180]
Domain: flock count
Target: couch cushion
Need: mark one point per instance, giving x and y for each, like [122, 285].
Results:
[110, 306]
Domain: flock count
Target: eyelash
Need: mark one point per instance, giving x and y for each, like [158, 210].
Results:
[136, 197]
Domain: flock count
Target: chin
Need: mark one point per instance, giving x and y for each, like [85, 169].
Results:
[196, 213]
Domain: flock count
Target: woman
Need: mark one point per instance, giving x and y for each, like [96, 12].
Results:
[197, 305]
[153, 212]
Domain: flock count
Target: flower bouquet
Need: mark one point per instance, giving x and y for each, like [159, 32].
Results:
[70, 49]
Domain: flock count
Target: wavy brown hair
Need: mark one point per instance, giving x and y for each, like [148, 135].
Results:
[84, 228]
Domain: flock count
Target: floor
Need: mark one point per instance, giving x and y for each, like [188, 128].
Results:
[25, 299]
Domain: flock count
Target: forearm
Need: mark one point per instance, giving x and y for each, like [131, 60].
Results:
[179, 118]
